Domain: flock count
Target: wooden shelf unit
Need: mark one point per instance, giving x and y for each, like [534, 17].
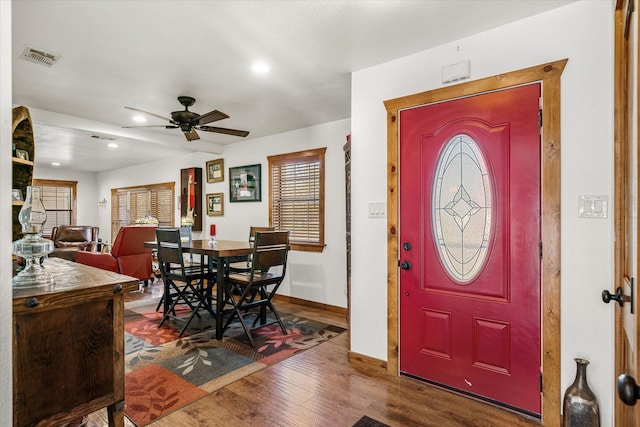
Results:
[22, 161]
[22, 170]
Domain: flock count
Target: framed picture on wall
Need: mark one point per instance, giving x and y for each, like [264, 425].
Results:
[215, 204]
[215, 170]
[16, 195]
[22, 154]
[245, 183]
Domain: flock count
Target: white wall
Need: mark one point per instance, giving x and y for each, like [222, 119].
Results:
[144, 174]
[319, 277]
[87, 197]
[582, 32]
[6, 396]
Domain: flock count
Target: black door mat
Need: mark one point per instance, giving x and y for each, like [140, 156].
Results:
[369, 422]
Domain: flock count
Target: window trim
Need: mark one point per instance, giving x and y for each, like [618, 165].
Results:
[319, 154]
[62, 183]
[114, 220]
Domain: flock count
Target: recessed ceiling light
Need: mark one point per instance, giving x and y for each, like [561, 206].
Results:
[55, 164]
[139, 119]
[112, 145]
[260, 67]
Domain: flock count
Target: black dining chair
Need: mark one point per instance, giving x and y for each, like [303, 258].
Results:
[243, 264]
[258, 286]
[189, 285]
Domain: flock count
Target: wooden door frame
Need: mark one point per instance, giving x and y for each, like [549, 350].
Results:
[549, 76]
[622, 18]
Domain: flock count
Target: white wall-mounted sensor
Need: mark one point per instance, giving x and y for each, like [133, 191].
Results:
[456, 72]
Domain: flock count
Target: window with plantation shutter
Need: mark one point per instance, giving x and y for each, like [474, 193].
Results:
[131, 203]
[162, 205]
[296, 197]
[59, 200]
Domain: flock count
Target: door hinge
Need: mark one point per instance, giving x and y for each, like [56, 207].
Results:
[540, 118]
[540, 245]
[540, 382]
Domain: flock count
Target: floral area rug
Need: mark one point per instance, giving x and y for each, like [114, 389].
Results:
[164, 373]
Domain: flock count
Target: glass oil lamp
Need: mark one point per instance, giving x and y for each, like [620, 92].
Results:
[33, 247]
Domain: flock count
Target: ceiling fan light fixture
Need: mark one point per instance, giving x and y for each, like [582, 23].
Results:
[189, 122]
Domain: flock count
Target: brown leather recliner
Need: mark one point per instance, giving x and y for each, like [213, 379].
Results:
[69, 239]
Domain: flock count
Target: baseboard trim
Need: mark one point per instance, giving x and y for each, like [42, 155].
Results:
[312, 304]
[367, 363]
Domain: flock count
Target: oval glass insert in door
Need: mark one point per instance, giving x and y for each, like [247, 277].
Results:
[462, 207]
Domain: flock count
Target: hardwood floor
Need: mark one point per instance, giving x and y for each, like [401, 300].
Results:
[319, 387]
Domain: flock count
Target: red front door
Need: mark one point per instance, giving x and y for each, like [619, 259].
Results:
[470, 245]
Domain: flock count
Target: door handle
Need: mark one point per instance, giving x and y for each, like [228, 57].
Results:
[619, 296]
[628, 390]
[607, 297]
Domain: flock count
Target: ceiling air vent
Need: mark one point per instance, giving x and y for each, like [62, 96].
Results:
[108, 138]
[38, 56]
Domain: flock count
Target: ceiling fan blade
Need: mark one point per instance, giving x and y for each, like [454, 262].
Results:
[225, 131]
[211, 116]
[192, 135]
[146, 112]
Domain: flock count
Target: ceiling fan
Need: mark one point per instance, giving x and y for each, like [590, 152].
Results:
[188, 121]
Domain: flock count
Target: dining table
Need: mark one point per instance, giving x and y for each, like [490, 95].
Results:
[218, 252]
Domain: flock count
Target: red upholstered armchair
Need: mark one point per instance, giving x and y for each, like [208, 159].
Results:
[128, 254]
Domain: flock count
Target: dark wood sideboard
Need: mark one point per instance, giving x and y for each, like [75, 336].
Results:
[68, 346]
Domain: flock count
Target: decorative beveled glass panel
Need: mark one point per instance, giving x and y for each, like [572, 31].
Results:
[462, 207]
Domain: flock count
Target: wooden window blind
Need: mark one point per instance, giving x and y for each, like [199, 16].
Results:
[162, 206]
[131, 203]
[296, 197]
[59, 200]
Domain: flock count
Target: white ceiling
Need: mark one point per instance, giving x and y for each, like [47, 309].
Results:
[144, 54]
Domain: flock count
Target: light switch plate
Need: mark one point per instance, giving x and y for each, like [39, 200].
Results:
[377, 210]
[593, 206]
